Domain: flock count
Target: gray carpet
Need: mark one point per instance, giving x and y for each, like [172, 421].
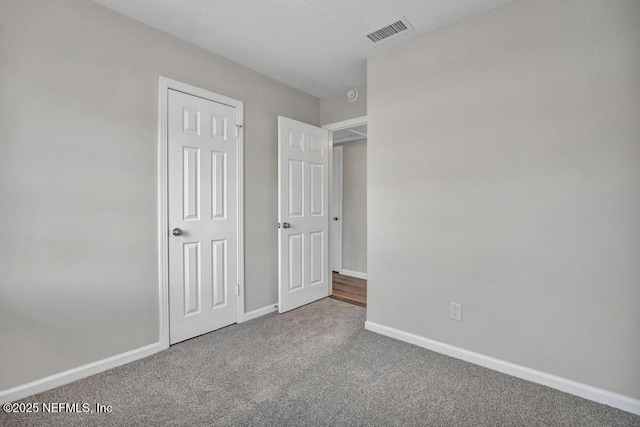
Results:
[314, 366]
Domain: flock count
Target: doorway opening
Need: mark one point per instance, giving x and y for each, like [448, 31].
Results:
[348, 206]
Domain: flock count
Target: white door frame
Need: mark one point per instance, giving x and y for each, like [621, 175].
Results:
[338, 212]
[331, 127]
[163, 202]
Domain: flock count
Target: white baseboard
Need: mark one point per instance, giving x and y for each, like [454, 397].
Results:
[66, 377]
[619, 401]
[355, 274]
[260, 312]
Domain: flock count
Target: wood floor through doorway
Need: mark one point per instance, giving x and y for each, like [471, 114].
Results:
[349, 289]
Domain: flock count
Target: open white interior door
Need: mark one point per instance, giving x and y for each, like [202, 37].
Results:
[303, 198]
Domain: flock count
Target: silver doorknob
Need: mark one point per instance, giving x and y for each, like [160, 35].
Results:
[286, 225]
[176, 232]
[335, 218]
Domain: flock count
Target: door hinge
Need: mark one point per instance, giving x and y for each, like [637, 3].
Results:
[238, 127]
[238, 290]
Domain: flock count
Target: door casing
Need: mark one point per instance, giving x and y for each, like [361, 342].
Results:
[335, 205]
[163, 202]
[331, 127]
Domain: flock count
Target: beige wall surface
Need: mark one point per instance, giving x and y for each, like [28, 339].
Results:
[78, 179]
[354, 206]
[504, 174]
[336, 108]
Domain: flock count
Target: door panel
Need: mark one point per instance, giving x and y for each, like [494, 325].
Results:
[202, 168]
[317, 189]
[296, 261]
[296, 188]
[219, 268]
[191, 280]
[190, 178]
[317, 262]
[218, 185]
[303, 199]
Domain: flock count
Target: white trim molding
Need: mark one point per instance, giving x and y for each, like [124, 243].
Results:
[260, 312]
[66, 377]
[356, 274]
[163, 204]
[336, 169]
[605, 397]
[346, 124]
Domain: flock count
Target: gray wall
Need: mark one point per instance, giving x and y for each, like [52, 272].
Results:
[354, 206]
[78, 179]
[504, 174]
[336, 108]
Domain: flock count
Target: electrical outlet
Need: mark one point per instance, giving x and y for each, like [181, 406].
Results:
[455, 311]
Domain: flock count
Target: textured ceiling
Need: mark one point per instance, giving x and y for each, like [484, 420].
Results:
[313, 45]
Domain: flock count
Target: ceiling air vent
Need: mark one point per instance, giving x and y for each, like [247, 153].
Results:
[388, 31]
